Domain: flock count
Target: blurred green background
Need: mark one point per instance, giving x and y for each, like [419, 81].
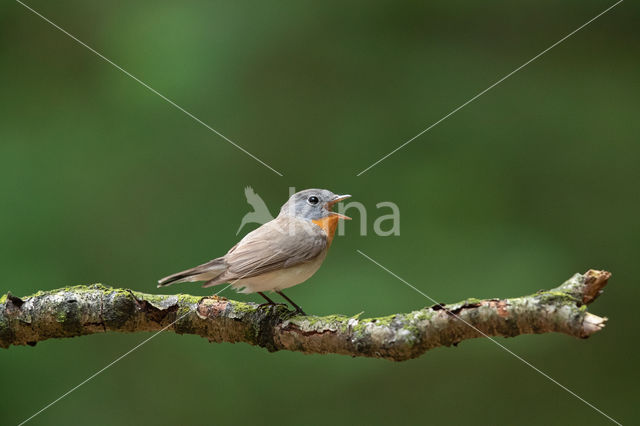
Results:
[103, 181]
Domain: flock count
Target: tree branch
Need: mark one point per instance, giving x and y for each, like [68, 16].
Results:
[81, 310]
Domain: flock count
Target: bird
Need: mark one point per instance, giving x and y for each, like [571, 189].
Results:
[280, 254]
[260, 213]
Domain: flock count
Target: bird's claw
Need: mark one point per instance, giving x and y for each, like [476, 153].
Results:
[272, 304]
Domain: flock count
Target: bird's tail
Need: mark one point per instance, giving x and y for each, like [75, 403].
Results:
[205, 272]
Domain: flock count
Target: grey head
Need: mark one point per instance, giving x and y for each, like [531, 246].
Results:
[312, 204]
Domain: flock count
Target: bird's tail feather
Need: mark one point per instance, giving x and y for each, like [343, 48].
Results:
[205, 272]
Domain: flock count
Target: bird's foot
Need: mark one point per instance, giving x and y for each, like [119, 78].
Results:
[300, 312]
[272, 304]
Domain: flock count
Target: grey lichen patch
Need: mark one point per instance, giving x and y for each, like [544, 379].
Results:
[423, 314]
[121, 310]
[70, 314]
[161, 302]
[391, 336]
[317, 324]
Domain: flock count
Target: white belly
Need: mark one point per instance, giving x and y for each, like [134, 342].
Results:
[280, 279]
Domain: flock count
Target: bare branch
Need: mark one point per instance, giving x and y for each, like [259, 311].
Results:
[81, 310]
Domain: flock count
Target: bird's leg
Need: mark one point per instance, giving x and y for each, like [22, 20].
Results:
[298, 308]
[269, 301]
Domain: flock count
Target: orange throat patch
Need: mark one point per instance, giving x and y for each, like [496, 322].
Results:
[328, 225]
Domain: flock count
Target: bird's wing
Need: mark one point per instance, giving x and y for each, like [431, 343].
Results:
[204, 272]
[275, 245]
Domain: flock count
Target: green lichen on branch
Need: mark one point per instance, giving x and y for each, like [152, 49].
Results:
[81, 310]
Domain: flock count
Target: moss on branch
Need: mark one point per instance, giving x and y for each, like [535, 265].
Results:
[80, 310]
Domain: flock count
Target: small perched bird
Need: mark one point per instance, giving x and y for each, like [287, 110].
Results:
[282, 253]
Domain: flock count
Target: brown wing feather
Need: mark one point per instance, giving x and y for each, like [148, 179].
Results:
[204, 272]
[278, 244]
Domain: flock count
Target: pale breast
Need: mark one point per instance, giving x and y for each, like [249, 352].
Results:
[282, 278]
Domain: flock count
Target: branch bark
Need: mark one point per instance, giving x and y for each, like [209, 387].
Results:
[82, 310]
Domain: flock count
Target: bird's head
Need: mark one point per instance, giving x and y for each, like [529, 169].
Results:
[313, 204]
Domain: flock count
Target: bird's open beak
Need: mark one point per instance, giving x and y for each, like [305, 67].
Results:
[335, 201]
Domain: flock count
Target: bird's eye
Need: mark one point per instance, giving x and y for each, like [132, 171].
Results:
[312, 200]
